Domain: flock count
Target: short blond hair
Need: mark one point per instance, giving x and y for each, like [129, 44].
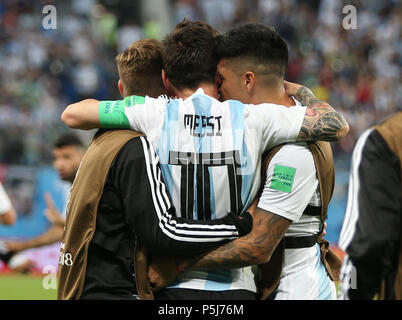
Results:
[140, 68]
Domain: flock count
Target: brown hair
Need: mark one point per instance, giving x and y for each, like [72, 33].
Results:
[140, 68]
[188, 54]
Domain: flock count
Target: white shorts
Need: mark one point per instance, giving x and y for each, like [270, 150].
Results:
[304, 276]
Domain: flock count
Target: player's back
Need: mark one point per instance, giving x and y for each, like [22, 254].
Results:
[210, 153]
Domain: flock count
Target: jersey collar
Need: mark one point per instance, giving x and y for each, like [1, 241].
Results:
[198, 91]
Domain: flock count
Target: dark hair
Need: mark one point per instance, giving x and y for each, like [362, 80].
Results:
[68, 140]
[140, 67]
[257, 43]
[188, 54]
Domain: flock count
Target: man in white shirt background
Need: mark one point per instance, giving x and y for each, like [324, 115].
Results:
[67, 154]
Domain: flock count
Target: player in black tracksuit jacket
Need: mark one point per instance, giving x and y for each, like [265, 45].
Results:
[371, 232]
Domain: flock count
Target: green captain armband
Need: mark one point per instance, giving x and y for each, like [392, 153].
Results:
[112, 116]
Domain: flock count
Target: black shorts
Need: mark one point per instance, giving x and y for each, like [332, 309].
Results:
[192, 294]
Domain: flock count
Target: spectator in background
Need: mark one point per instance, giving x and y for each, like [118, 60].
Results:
[39, 69]
[127, 34]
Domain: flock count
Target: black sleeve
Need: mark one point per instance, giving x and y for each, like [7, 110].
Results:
[151, 215]
[371, 232]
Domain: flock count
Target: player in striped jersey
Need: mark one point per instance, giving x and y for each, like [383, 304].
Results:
[209, 150]
[304, 275]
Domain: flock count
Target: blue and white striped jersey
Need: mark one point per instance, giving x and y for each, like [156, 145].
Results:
[210, 155]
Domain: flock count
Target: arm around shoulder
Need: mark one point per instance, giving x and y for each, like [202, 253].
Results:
[321, 121]
[82, 115]
[255, 248]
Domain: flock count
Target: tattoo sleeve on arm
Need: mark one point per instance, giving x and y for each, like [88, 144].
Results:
[321, 121]
[255, 248]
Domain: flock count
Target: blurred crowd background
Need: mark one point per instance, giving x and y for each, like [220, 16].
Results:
[42, 71]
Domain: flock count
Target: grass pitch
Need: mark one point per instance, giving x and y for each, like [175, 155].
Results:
[25, 287]
[31, 287]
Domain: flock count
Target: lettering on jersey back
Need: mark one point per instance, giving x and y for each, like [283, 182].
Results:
[196, 124]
